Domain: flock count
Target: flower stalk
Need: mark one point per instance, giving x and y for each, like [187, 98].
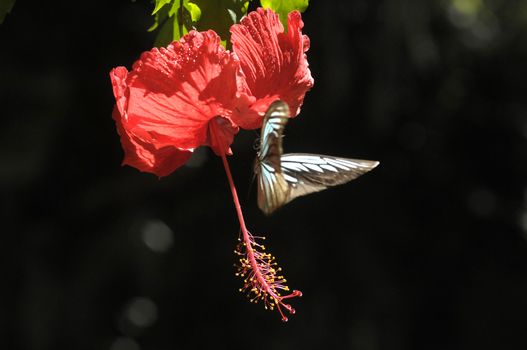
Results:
[258, 269]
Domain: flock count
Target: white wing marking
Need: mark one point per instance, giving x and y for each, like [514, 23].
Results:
[314, 167]
[294, 166]
[289, 178]
[329, 167]
[302, 159]
[268, 167]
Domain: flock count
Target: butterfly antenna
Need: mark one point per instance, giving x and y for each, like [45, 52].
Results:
[250, 185]
[256, 147]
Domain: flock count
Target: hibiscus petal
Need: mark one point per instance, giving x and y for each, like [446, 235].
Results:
[273, 62]
[171, 94]
[118, 76]
[143, 155]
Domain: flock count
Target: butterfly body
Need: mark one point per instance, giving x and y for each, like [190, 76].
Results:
[284, 177]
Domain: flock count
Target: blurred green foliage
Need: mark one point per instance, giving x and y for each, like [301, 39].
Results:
[283, 7]
[220, 15]
[5, 7]
[174, 18]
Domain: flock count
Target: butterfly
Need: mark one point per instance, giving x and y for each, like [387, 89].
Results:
[284, 177]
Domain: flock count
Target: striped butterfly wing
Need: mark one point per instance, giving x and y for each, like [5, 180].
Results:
[308, 173]
[284, 177]
[273, 189]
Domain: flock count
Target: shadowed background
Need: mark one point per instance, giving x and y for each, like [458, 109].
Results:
[427, 251]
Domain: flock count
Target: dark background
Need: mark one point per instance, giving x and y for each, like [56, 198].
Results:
[428, 251]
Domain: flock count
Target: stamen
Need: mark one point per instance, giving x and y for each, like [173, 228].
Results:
[263, 283]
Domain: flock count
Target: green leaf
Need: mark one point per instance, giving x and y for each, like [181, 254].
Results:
[195, 12]
[5, 7]
[159, 5]
[175, 18]
[283, 7]
[219, 15]
[160, 17]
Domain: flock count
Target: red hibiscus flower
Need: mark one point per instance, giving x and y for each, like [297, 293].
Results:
[176, 99]
[195, 93]
[274, 63]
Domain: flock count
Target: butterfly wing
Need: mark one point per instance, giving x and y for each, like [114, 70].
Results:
[284, 177]
[273, 189]
[308, 173]
[270, 148]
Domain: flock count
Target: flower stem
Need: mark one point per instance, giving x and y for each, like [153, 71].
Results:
[243, 228]
[234, 196]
